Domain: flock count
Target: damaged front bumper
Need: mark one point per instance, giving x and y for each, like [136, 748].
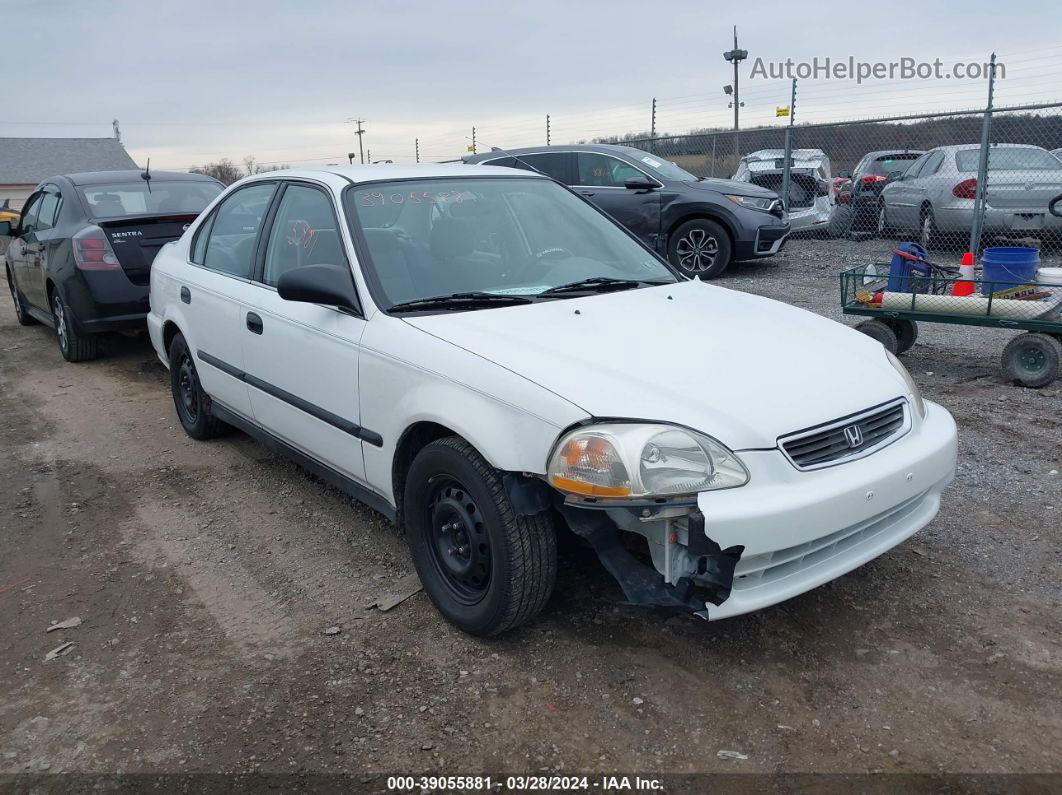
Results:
[787, 531]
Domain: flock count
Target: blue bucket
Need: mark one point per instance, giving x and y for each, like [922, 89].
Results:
[1008, 266]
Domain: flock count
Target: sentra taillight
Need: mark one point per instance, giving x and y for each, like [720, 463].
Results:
[967, 189]
[93, 252]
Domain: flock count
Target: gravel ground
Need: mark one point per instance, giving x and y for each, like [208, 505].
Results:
[206, 575]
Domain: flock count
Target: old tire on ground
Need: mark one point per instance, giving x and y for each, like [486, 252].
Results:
[484, 567]
[700, 248]
[882, 332]
[75, 347]
[24, 318]
[906, 333]
[192, 403]
[1032, 359]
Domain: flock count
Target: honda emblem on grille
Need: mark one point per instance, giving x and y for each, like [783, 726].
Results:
[853, 434]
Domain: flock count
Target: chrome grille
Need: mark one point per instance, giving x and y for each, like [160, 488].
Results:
[848, 438]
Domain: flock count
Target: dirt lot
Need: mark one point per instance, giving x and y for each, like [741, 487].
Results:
[205, 575]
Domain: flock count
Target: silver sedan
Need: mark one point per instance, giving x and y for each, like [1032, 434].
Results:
[935, 195]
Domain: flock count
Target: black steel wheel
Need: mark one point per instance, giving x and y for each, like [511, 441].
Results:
[486, 568]
[192, 403]
[1032, 359]
[700, 248]
[23, 317]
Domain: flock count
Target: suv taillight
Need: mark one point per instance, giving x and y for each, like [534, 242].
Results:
[967, 189]
[870, 179]
[93, 252]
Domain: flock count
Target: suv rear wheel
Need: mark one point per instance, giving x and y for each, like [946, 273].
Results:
[484, 567]
[700, 248]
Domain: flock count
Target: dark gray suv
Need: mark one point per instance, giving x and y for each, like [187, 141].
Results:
[701, 225]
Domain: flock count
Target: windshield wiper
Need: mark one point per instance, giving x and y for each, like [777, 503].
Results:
[597, 284]
[472, 300]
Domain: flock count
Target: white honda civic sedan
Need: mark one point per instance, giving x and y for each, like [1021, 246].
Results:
[487, 359]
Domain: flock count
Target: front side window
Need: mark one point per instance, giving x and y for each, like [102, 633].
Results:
[501, 235]
[148, 197]
[49, 209]
[916, 167]
[304, 233]
[598, 170]
[230, 241]
[28, 221]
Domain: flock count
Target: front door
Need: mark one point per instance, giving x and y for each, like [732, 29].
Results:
[41, 245]
[601, 178]
[22, 251]
[302, 359]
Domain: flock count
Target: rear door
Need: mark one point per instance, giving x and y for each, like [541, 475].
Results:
[216, 290]
[302, 359]
[600, 178]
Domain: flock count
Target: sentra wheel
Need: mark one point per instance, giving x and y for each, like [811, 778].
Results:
[484, 567]
[700, 248]
[24, 318]
[192, 403]
[75, 347]
[1032, 359]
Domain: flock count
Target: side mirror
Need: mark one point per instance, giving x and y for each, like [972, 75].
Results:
[844, 174]
[639, 183]
[330, 285]
[893, 176]
[5, 229]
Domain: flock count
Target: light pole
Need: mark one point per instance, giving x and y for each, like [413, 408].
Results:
[736, 56]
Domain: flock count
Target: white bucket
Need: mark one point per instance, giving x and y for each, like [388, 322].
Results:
[1051, 276]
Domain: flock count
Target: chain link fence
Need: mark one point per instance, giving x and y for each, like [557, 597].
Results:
[911, 178]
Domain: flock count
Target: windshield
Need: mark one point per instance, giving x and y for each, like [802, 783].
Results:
[501, 236]
[664, 169]
[138, 198]
[1009, 158]
[883, 166]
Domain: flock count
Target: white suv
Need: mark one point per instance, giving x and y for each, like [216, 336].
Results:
[485, 358]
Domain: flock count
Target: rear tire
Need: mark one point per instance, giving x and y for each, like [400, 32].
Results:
[906, 334]
[700, 248]
[192, 403]
[882, 332]
[24, 318]
[885, 230]
[1032, 359]
[484, 567]
[928, 235]
[74, 346]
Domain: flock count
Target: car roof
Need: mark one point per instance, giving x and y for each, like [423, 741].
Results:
[630, 151]
[110, 177]
[391, 171]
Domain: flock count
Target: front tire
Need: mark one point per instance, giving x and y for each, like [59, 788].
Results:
[700, 248]
[484, 567]
[24, 318]
[74, 346]
[192, 403]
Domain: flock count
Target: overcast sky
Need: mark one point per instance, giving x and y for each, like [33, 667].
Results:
[195, 81]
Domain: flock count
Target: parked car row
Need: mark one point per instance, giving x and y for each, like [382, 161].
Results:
[487, 359]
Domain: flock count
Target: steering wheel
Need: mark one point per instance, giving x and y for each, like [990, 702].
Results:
[533, 268]
[550, 252]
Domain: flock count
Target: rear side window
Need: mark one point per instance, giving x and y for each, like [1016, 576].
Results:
[230, 240]
[552, 164]
[1009, 158]
[304, 232]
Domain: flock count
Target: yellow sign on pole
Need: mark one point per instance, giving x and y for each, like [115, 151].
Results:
[783, 111]
[471, 149]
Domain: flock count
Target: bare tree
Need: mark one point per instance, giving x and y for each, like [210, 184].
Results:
[251, 166]
[224, 171]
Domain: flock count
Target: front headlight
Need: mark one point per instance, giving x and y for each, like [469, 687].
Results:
[631, 460]
[916, 396]
[752, 202]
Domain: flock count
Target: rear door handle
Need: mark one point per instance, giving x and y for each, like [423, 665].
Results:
[186, 295]
[254, 323]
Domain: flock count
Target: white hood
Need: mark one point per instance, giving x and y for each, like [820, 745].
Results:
[738, 367]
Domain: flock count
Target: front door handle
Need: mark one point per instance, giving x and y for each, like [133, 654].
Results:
[587, 192]
[254, 323]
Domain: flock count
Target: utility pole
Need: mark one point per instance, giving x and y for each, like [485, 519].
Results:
[473, 140]
[416, 148]
[736, 56]
[360, 132]
[787, 171]
[368, 155]
[547, 129]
